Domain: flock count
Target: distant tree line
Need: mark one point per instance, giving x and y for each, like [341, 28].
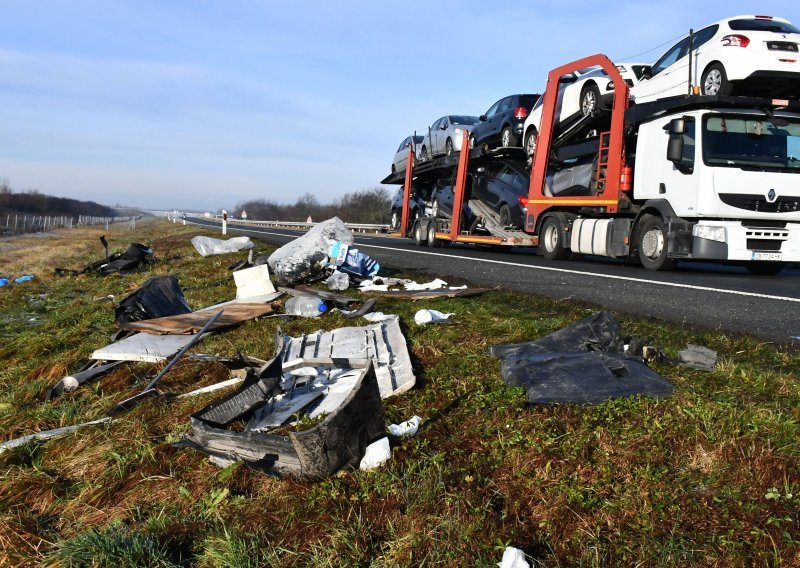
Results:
[31, 202]
[369, 205]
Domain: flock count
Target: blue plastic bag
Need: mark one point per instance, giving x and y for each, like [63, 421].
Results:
[348, 259]
[25, 278]
[3, 281]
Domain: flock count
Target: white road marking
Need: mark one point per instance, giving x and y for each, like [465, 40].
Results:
[576, 272]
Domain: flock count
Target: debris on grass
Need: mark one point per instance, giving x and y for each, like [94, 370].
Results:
[407, 429]
[583, 363]
[376, 454]
[305, 259]
[208, 246]
[158, 297]
[423, 317]
[49, 434]
[513, 558]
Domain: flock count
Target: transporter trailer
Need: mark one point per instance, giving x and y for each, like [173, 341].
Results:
[683, 178]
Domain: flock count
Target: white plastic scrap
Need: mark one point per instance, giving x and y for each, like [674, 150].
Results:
[513, 558]
[423, 317]
[407, 429]
[253, 282]
[207, 246]
[378, 316]
[432, 285]
[377, 454]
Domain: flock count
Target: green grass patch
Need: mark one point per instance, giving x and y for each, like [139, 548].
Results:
[709, 476]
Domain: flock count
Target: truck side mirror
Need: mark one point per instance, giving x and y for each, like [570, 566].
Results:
[676, 126]
[675, 148]
[482, 118]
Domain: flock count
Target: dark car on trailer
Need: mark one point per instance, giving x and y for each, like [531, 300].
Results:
[503, 123]
[502, 185]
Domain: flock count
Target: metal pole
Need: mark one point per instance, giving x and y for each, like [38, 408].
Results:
[691, 85]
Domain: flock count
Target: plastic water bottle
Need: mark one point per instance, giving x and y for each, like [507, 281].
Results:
[306, 306]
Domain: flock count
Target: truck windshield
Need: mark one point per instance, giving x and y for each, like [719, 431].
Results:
[752, 142]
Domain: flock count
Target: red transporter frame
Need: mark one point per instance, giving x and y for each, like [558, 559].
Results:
[407, 192]
[538, 202]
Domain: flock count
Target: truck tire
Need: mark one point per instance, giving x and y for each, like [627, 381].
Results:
[551, 240]
[433, 242]
[765, 268]
[651, 243]
[507, 138]
[590, 99]
[420, 236]
[715, 81]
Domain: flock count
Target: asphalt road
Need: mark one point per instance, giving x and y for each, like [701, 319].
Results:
[701, 296]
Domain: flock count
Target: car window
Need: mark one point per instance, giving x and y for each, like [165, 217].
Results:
[443, 123]
[417, 139]
[704, 35]
[404, 144]
[675, 52]
[464, 120]
[493, 110]
[505, 104]
[435, 125]
[688, 141]
[528, 101]
[763, 25]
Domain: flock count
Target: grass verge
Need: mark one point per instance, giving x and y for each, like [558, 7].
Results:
[708, 476]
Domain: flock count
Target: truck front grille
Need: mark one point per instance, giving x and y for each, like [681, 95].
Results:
[762, 244]
[759, 203]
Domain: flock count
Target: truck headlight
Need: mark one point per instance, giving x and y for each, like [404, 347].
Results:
[710, 232]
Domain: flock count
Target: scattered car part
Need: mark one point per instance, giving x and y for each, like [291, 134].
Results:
[150, 389]
[73, 381]
[427, 294]
[582, 363]
[235, 314]
[305, 259]
[158, 297]
[423, 317]
[49, 434]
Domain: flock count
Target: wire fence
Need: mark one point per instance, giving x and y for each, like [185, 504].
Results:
[16, 224]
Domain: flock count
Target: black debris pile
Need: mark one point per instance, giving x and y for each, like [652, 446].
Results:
[158, 297]
[136, 257]
[588, 362]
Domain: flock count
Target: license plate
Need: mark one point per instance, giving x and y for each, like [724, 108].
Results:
[766, 256]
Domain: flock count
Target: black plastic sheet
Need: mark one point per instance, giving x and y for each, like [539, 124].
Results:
[583, 363]
[158, 297]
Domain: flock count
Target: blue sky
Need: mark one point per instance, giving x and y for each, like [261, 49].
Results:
[198, 105]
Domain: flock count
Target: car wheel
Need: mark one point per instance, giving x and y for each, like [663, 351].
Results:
[715, 81]
[507, 138]
[433, 242]
[651, 242]
[395, 222]
[551, 240]
[505, 215]
[420, 236]
[423, 154]
[531, 138]
[435, 208]
[590, 99]
[448, 147]
[765, 268]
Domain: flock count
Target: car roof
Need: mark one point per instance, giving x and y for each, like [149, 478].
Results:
[749, 17]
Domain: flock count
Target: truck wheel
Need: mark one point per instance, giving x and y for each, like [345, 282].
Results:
[590, 100]
[651, 241]
[433, 242]
[448, 147]
[436, 209]
[505, 215]
[551, 240]
[420, 236]
[715, 81]
[507, 138]
[395, 220]
[530, 141]
[765, 268]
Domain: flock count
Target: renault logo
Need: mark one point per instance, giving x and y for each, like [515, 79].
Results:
[771, 196]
